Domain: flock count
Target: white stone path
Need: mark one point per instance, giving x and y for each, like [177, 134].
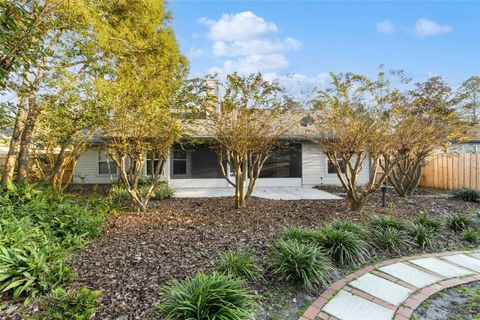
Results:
[393, 289]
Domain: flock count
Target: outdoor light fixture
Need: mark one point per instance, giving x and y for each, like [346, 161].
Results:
[384, 192]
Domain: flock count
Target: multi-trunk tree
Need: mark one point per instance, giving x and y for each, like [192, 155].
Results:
[141, 89]
[354, 131]
[245, 125]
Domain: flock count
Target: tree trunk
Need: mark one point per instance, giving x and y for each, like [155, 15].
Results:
[26, 139]
[9, 168]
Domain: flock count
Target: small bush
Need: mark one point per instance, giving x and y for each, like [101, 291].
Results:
[427, 221]
[72, 304]
[240, 264]
[118, 194]
[357, 229]
[205, 297]
[387, 221]
[304, 262]
[470, 235]
[467, 194]
[422, 234]
[458, 221]
[300, 234]
[391, 239]
[344, 246]
[164, 191]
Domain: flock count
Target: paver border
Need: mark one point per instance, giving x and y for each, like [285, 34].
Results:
[407, 307]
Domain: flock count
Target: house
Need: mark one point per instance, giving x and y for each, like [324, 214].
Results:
[471, 143]
[296, 162]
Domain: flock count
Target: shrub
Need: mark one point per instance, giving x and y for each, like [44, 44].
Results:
[467, 194]
[164, 191]
[427, 221]
[458, 221]
[470, 235]
[299, 234]
[118, 194]
[205, 297]
[386, 221]
[304, 262]
[61, 304]
[351, 227]
[38, 230]
[239, 263]
[391, 239]
[344, 246]
[422, 234]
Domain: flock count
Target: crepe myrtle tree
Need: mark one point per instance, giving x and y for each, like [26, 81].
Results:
[141, 91]
[424, 120]
[245, 125]
[354, 131]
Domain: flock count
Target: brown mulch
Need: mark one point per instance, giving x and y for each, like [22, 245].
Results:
[139, 252]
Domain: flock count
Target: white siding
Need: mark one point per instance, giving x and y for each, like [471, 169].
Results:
[86, 171]
[314, 167]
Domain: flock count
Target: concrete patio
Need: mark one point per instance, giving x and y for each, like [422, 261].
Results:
[274, 193]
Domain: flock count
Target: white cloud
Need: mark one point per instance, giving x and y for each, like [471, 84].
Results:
[254, 46]
[196, 52]
[385, 26]
[239, 26]
[429, 28]
[253, 63]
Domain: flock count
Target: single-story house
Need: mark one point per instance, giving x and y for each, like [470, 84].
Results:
[298, 162]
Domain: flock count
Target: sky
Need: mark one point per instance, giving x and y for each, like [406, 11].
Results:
[300, 42]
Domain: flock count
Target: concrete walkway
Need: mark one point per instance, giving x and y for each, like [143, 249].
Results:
[393, 289]
[275, 193]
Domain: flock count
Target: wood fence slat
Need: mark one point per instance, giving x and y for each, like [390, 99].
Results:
[451, 171]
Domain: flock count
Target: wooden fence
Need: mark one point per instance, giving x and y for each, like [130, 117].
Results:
[451, 171]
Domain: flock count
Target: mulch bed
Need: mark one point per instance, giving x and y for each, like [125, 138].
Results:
[139, 252]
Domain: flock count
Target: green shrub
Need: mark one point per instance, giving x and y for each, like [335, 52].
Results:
[470, 235]
[351, 227]
[164, 191]
[118, 194]
[344, 246]
[69, 305]
[391, 239]
[467, 194]
[304, 262]
[300, 234]
[427, 221]
[386, 221]
[458, 221]
[239, 263]
[422, 234]
[206, 297]
[39, 229]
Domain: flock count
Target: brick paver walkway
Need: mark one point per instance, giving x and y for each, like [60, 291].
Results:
[393, 289]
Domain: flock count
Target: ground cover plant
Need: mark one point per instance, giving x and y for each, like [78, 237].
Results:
[40, 230]
[467, 194]
[240, 263]
[178, 237]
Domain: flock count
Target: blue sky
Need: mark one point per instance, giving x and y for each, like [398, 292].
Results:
[301, 41]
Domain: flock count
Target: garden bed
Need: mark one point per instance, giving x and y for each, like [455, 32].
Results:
[458, 303]
[178, 237]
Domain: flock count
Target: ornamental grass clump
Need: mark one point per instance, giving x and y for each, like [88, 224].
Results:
[467, 194]
[428, 221]
[240, 263]
[422, 234]
[357, 229]
[470, 235]
[345, 247]
[63, 304]
[206, 297]
[300, 234]
[306, 263]
[391, 239]
[386, 221]
[458, 221]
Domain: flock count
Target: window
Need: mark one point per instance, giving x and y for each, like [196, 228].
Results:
[105, 164]
[332, 169]
[284, 162]
[179, 161]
